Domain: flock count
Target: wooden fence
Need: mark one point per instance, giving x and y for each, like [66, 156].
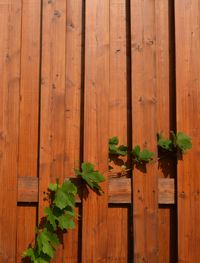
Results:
[74, 73]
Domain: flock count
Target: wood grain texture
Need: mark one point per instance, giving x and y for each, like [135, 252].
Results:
[52, 126]
[165, 121]
[166, 191]
[74, 78]
[27, 189]
[29, 119]
[145, 192]
[73, 114]
[187, 18]
[94, 227]
[117, 241]
[26, 218]
[10, 30]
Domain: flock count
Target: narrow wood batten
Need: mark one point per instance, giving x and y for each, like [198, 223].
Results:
[119, 190]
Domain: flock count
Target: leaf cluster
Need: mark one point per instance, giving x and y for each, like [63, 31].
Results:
[141, 156]
[138, 156]
[178, 142]
[114, 149]
[60, 214]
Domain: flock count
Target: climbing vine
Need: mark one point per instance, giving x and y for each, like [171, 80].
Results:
[60, 214]
[178, 144]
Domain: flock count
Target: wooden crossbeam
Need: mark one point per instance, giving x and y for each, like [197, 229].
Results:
[119, 190]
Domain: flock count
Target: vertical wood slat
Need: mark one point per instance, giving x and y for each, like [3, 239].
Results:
[27, 220]
[145, 191]
[52, 126]
[94, 227]
[73, 114]
[187, 23]
[165, 98]
[163, 125]
[29, 117]
[10, 28]
[118, 216]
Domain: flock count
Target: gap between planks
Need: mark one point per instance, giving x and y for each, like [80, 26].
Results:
[119, 190]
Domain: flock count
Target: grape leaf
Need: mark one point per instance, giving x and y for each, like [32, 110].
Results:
[50, 217]
[53, 187]
[183, 142]
[164, 143]
[114, 140]
[91, 176]
[66, 221]
[114, 149]
[144, 156]
[47, 241]
[52, 237]
[69, 187]
[29, 252]
[63, 199]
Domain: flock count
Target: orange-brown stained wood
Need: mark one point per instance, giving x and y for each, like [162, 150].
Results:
[29, 109]
[10, 28]
[187, 18]
[73, 114]
[118, 216]
[26, 218]
[165, 105]
[94, 224]
[145, 185]
[119, 190]
[52, 132]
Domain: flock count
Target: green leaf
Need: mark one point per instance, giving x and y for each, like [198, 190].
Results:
[48, 249]
[136, 151]
[122, 150]
[146, 155]
[164, 143]
[91, 176]
[183, 142]
[66, 221]
[114, 140]
[114, 150]
[53, 187]
[52, 237]
[139, 156]
[63, 199]
[50, 217]
[29, 252]
[46, 242]
[69, 187]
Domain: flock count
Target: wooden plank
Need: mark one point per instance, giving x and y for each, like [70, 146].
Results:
[28, 123]
[73, 114]
[94, 226]
[74, 78]
[166, 191]
[26, 226]
[10, 28]
[187, 18]
[165, 121]
[119, 190]
[118, 216]
[52, 126]
[145, 192]
[27, 189]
